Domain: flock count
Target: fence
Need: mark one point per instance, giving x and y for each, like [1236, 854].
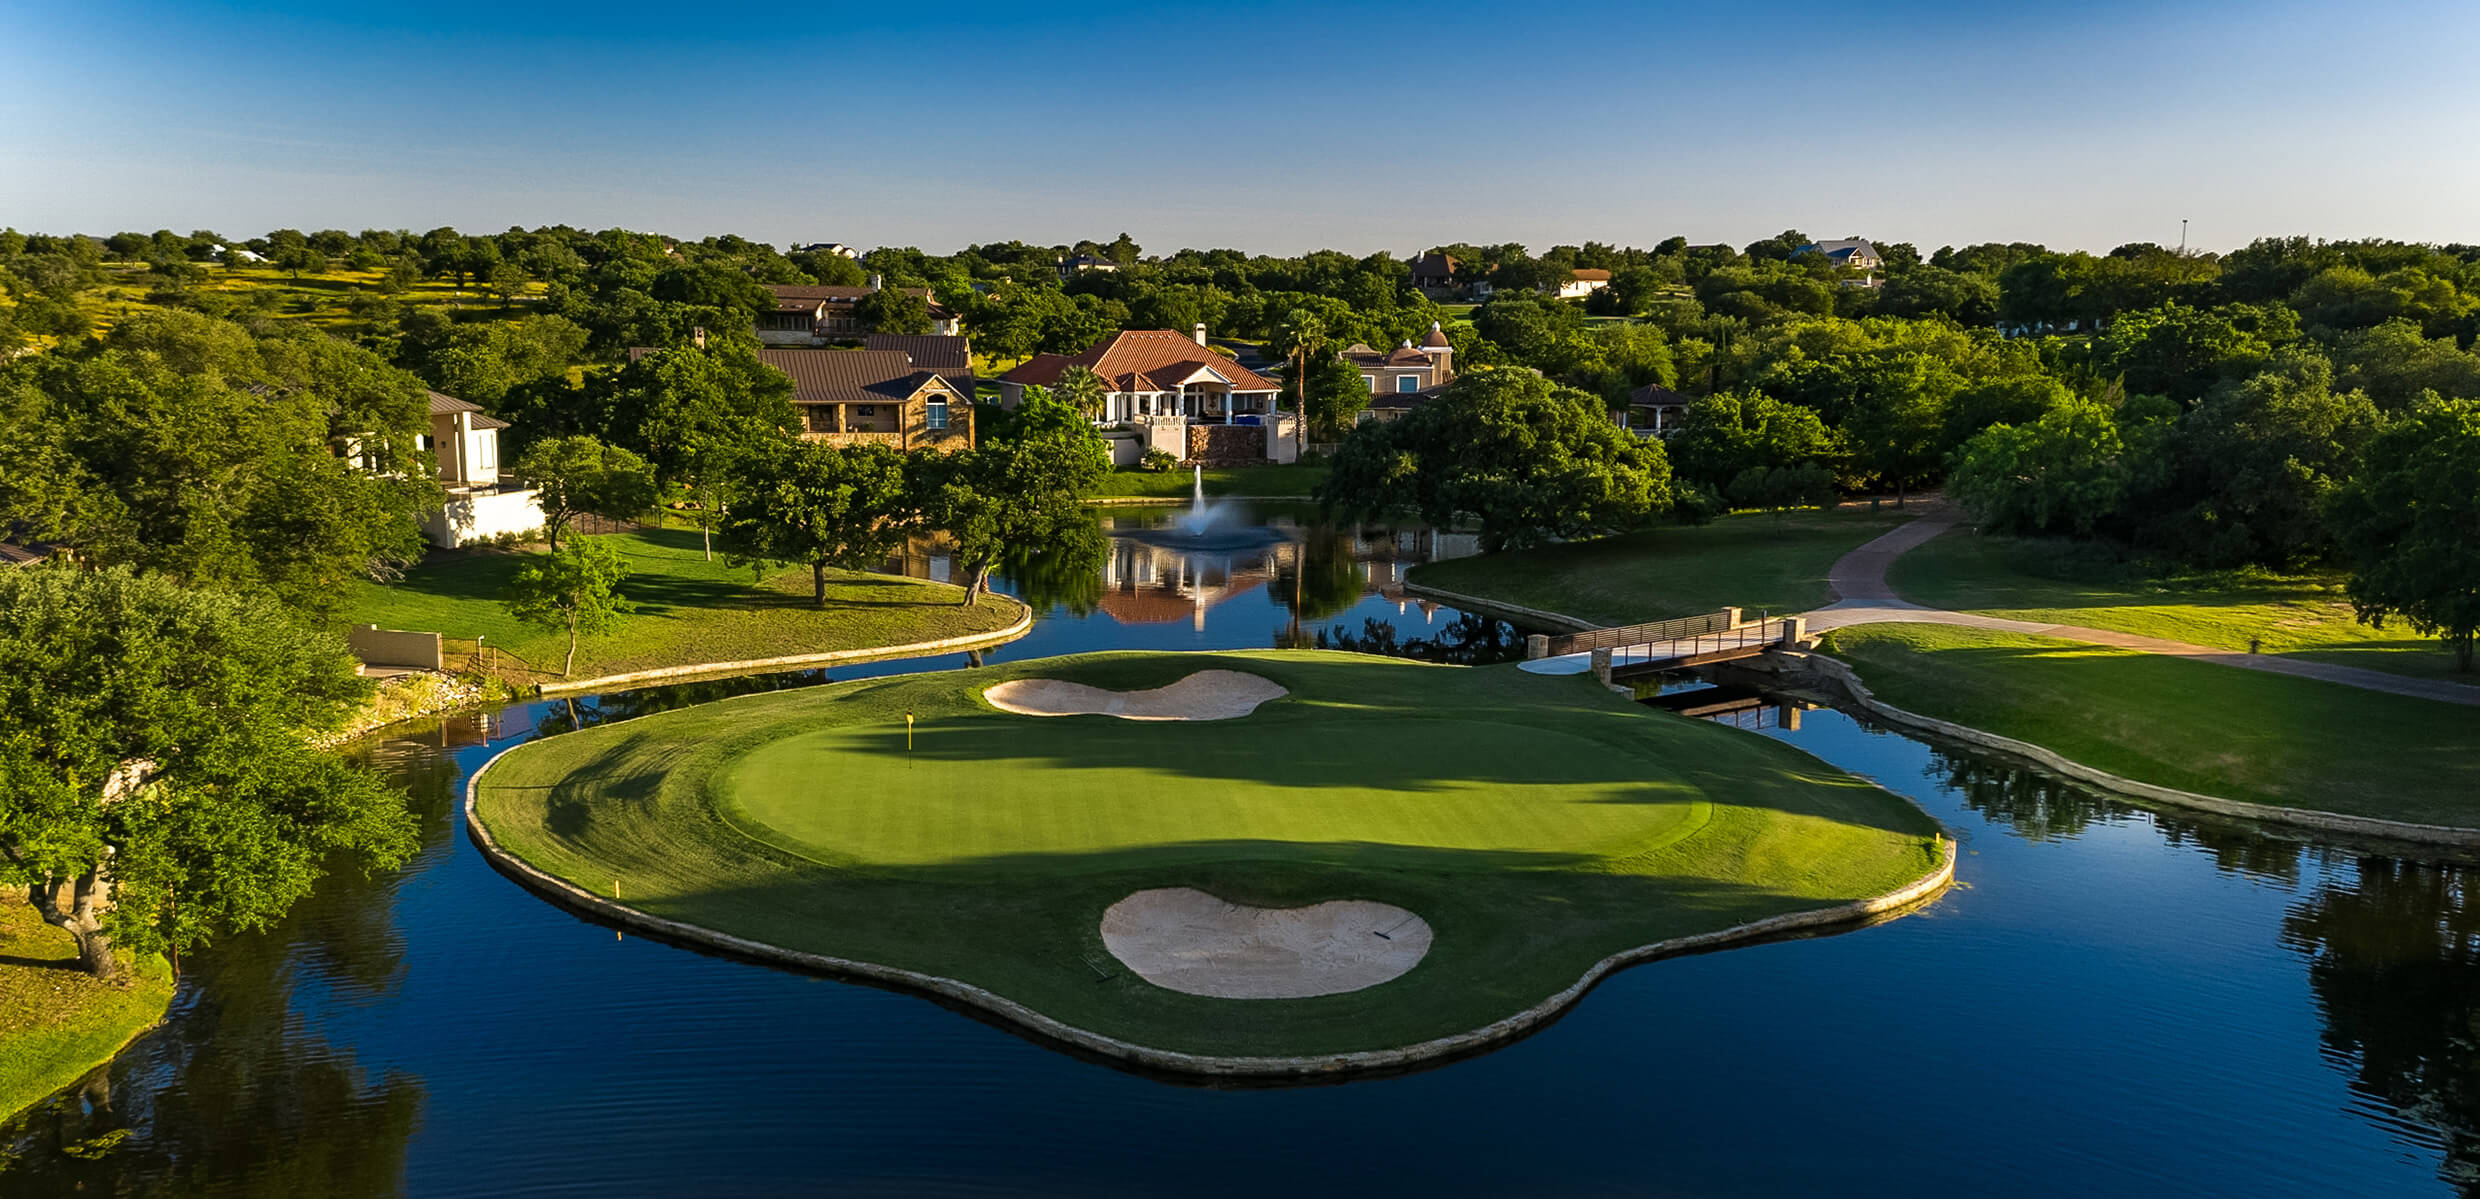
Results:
[1645, 634]
[472, 655]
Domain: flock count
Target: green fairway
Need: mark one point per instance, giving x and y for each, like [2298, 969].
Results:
[2195, 726]
[1538, 824]
[57, 1022]
[689, 610]
[1765, 562]
[2049, 582]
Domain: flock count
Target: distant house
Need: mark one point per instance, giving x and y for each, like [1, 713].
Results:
[1851, 254]
[1653, 411]
[1582, 282]
[836, 248]
[1438, 276]
[464, 441]
[235, 254]
[817, 315]
[1077, 264]
[1401, 378]
[1170, 392]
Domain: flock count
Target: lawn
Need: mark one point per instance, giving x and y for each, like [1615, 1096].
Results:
[1765, 562]
[1538, 824]
[58, 1022]
[2173, 722]
[1269, 480]
[320, 298]
[2305, 616]
[689, 610]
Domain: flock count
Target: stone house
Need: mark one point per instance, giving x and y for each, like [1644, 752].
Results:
[1401, 378]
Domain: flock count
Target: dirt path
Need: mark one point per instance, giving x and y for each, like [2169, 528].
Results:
[1862, 596]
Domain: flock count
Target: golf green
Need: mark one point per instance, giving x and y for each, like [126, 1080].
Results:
[1537, 825]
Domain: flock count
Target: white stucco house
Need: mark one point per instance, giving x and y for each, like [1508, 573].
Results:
[464, 441]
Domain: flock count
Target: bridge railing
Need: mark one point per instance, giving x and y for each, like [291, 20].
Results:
[1645, 634]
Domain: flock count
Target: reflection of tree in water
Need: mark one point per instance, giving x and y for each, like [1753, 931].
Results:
[1065, 573]
[1324, 579]
[2036, 806]
[2234, 848]
[1470, 639]
[234, 1096]
[2394, 959]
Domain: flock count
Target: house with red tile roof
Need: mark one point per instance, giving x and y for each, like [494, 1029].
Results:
[1174, 390]
[1404, 376]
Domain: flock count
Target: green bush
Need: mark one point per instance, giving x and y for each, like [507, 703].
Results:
[1157, 461]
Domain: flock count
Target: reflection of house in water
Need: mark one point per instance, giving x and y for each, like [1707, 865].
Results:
[1152, 584]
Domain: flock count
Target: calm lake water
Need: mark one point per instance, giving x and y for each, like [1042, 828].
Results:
[2110, 1002]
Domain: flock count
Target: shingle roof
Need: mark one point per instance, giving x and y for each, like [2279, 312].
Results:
[1654, 395]
[1590, 274]
[448, 405]
[930, 351]
[804, 297]
[1434, 265]
[849, 376]
[1140, 360]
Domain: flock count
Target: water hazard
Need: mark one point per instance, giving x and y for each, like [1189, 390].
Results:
[2110, 1002]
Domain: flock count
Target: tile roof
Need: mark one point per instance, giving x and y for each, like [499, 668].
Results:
[1437, 339]
[1140, 360]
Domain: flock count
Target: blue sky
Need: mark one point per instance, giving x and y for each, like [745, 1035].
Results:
[1266, 127]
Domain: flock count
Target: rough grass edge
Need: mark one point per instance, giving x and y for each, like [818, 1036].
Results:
[148, 974]
[1859, 913]
[1022, 625]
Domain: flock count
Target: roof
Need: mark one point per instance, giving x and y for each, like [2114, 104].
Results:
[448, 405]
[1405, 399]
[1435, 265]
[1841, 251]
[930, 351]
[805, 297]
[1140, 360]
[1437, 339]
[1654, 395]
[1591, 274]
[851, 376]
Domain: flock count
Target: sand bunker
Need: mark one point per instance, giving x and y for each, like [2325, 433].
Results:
[1188, 941]
[1205, 695]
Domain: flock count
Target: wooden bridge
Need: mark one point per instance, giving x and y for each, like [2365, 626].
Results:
[1642, 649]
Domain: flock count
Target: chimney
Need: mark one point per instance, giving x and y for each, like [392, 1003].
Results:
[697, 337]
[1201, 333]
[878, 282]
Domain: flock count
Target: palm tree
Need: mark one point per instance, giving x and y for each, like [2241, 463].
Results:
[1080, 388]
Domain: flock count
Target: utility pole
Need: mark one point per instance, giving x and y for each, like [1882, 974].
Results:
[2182, 237]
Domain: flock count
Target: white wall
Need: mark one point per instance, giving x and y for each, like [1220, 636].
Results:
[480, 515]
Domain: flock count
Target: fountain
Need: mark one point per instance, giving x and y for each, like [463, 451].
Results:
[1202, 527]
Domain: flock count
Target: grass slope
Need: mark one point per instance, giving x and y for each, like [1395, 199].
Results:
[1770, 561]
[689, 610]
[1538, 824]
[1295, 480]
[2305, 616]
[56, 1022]
[322, 298]
[2236, 734]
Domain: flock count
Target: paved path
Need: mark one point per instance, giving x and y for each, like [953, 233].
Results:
[1863, 597]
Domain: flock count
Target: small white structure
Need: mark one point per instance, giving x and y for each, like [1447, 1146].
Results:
[464, 440]
[1583, 282]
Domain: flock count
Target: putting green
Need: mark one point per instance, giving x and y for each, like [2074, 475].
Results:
[1537, 825]
[1005, 788]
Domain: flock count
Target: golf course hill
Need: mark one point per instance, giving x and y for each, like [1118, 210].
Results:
[1255, 863]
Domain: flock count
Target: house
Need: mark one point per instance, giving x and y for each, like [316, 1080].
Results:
[464, 441]
[836, 248]
[1399, 379]
[1850, 254]
[1582, 282]
[817, 315]
[882, 397]
[1438, 276]
[1653, 411]
[1170, 392]
[1077, 264]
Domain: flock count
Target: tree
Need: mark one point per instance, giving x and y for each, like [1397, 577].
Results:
[2255, 464]
[893, 310]
[693, 413]
[2406, 525]
[155, 785]
[1723, 437]
[578, 474]
[1080, 388]
[2063, 473]
[809, 502]
[1532, 462]
[575, 587]
[1336, 397]
[1015, 493]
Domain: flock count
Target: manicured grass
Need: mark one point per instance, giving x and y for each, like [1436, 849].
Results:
[689, 610]
[57, 1022]
[319, 298]
[2236, 734]
[1295, 480]
[1538, 824]
[1764, 562]
[2304, 616]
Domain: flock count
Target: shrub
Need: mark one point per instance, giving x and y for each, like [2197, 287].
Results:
[1157, 461]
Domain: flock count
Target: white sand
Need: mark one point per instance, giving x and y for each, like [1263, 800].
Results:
[1205, 695]
[1188, 941]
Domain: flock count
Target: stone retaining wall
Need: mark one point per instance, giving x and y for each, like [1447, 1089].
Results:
[582, 901]
[1226, 445]
[639, 678]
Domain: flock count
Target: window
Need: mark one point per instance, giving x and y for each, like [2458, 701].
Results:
[869, 410]
[821, 419]
[1407, 383]
[486, 452]
[938, 414]
[1370, 382]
